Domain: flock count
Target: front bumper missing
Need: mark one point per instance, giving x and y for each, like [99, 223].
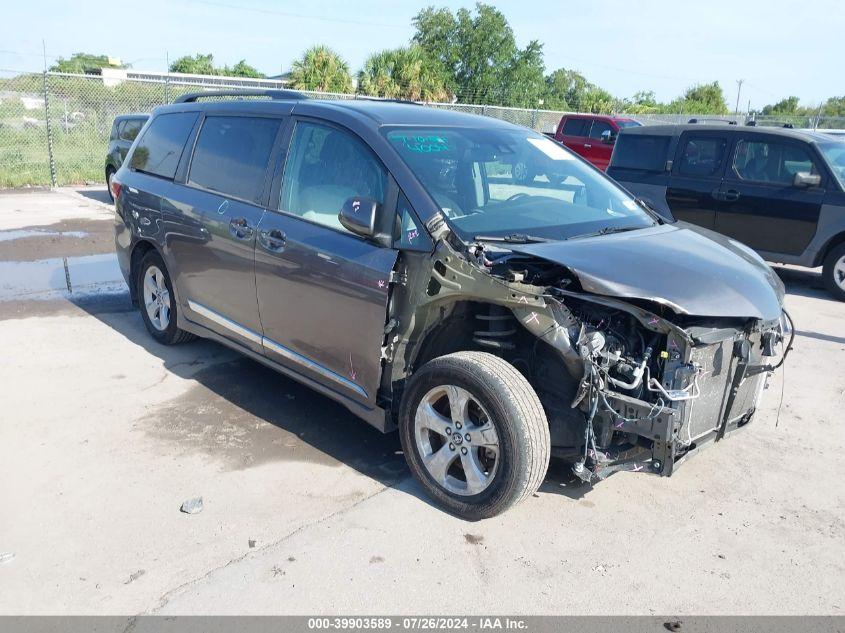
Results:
[731, 377]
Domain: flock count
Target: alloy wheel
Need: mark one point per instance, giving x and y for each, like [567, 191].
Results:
[456, 440]
[839, 272]
[156, 298]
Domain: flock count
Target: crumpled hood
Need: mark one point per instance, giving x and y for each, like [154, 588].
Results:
[687, 268]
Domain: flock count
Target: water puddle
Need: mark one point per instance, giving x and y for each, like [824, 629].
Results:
[17, 234]
[61, 277]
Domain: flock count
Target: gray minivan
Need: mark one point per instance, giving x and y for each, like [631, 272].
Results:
[383, 254]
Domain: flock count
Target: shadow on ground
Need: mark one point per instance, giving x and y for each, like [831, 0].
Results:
[246, 414]
[98, 194]
[805, 282]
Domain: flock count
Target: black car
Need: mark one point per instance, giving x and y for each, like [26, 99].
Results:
[382, 254]
[780, 191]
[124, 129]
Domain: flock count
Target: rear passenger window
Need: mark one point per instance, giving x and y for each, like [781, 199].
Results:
[160, 148]
[576, 127]
[702, 156]
[129, 129]
[232, 153]
[637, 151]
[325, 167]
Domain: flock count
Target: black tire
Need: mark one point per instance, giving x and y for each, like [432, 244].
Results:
[829, 273]
[515, 412]
[109, 173]
[171, 335]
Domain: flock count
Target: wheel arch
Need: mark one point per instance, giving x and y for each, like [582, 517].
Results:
[141, 248]
[832, 243]
[459, 330]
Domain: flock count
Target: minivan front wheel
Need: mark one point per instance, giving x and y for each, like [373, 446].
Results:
[474, 434]
[834, 272]
[156, 301]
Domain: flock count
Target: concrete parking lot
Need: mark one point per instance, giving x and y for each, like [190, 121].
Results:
[104, 433]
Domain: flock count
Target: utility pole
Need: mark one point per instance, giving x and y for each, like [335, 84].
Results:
[739, 83]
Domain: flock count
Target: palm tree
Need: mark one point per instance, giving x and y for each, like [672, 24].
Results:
[403, 73]
[321, 69]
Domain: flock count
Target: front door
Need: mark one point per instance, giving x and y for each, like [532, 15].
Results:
[760, 205]
[598, 152]
[694, 185]
[322, 291]
[227, 187]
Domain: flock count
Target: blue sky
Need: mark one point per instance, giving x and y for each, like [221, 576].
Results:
[779, 48]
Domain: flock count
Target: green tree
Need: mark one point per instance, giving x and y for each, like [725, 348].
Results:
[700, 99]
[784, 106]
[834, 106]
[242, 69]
[569, 90]
[197, 65]
[321, 69]
[84, 63]
[200, 64]
[403, 73]
[524, 84]
[480, 55]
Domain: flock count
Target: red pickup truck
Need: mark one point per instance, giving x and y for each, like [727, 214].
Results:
[591, 135]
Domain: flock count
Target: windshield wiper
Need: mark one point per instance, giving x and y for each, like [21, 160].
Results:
[513, 238]
[645, 204]
[606, 230]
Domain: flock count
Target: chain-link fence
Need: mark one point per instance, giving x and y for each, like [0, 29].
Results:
[54, 127]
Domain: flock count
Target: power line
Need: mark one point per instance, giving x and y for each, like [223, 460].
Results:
[302, 16]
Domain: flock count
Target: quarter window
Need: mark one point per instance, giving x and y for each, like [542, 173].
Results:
[325, 167]
[702, 156]
[771, 162]
[232, 153]
[159, 150]
[129, 129]
[638, 151]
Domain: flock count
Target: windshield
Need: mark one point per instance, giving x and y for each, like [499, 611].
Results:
[834, 154]
[622, 124]
[506, 182]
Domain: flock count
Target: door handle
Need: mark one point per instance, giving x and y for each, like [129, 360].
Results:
[730, 195]
[587, 146]
[272, 240]
[240, 229]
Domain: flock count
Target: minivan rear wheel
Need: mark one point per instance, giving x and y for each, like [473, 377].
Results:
[157, 302]
[834, 272]
[109, 177]
[474, 434]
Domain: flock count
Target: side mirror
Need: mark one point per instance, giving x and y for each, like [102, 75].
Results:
[360, 216]
[608, 137]
[806, 179]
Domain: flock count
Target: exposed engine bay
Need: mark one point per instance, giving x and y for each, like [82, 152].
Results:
[627, 383]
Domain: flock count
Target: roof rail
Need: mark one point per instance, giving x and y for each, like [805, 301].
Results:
[192, 97]
[722, 121]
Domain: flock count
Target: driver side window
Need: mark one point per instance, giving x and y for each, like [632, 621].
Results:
[325, 167]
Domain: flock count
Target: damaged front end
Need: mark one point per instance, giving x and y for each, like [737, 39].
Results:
[627, 383]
